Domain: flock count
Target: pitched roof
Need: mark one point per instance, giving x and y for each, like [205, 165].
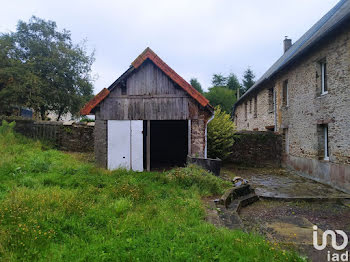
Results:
[94, 101]
[148, 54]
[330, 21]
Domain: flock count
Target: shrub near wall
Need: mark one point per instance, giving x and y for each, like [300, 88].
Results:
[257, 148]
[221, 132]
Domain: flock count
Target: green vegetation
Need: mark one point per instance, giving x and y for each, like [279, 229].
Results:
[194, 82]
[54, 207]
[223, 91]
[221, 131]
[248, 80]
[223, 97]
[42, 69]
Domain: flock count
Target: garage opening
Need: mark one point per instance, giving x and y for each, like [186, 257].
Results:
[168, 143]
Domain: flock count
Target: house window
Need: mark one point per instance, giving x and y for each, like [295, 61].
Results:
[271, 101]
[326, 147]
[250, 106]
[323, 141]
[324, 89]
[245, 111]
[256, 106]
[285, 93]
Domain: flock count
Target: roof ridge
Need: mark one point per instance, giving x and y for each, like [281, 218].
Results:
[298, 47]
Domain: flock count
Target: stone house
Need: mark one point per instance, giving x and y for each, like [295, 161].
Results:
[149, 117]
[305, 96]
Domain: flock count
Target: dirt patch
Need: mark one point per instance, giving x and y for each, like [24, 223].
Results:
[211, 212]
[290, 223]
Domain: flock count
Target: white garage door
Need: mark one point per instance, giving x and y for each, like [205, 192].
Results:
[125, 144]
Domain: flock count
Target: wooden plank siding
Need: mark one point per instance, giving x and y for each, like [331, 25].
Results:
[150, 95]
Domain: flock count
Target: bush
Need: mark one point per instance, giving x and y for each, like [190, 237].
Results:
[221, 132]
[7, 128]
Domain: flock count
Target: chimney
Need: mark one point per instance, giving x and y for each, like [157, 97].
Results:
[287, 43]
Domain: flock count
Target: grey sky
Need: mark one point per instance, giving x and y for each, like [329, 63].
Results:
[195, 37]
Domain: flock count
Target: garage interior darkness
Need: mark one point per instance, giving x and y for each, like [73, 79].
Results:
[168, 143]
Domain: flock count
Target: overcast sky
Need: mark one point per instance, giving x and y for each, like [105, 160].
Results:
[197, 38]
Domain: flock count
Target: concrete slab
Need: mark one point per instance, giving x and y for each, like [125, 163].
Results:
[283, 184]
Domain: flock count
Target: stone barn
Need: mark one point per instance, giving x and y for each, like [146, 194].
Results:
[149, 118]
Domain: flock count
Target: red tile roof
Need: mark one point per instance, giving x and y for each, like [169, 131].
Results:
[149, 54]
[86, 110]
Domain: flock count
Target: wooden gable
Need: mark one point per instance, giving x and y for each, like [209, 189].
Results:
[149, 95]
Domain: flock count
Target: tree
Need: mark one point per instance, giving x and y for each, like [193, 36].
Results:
[221, 96]
[248, 80]
[221, 132]
[43, 69]
[219, 80]
[232, 82]
[194, 82]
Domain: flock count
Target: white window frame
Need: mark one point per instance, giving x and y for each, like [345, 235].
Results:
[326, 149]
[323, 79]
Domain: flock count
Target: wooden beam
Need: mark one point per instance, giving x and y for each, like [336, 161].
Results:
[148, 145]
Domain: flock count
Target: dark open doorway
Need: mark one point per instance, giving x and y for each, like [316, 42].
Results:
[168, 143]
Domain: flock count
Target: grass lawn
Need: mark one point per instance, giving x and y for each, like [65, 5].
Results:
[55, 207]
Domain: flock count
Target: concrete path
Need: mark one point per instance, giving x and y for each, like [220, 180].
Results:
[282, 184]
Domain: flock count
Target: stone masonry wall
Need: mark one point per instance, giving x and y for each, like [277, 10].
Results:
[257, 148]
[258, 122]
[72, 137]
[101, 142]
[198, 137]
[198, 126]
[307, 108]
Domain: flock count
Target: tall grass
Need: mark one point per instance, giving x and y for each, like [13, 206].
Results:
[54, 207]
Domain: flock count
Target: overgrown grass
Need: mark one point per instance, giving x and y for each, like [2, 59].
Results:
[54, 207]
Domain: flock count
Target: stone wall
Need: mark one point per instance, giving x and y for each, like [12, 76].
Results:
[308, 111]
[76, 137]
[101, 140]
[198, 137]
[68, 137]
[307, 108]
[257, 148]
[259, 119]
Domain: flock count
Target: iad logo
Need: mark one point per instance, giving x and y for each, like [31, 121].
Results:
[333, 236]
